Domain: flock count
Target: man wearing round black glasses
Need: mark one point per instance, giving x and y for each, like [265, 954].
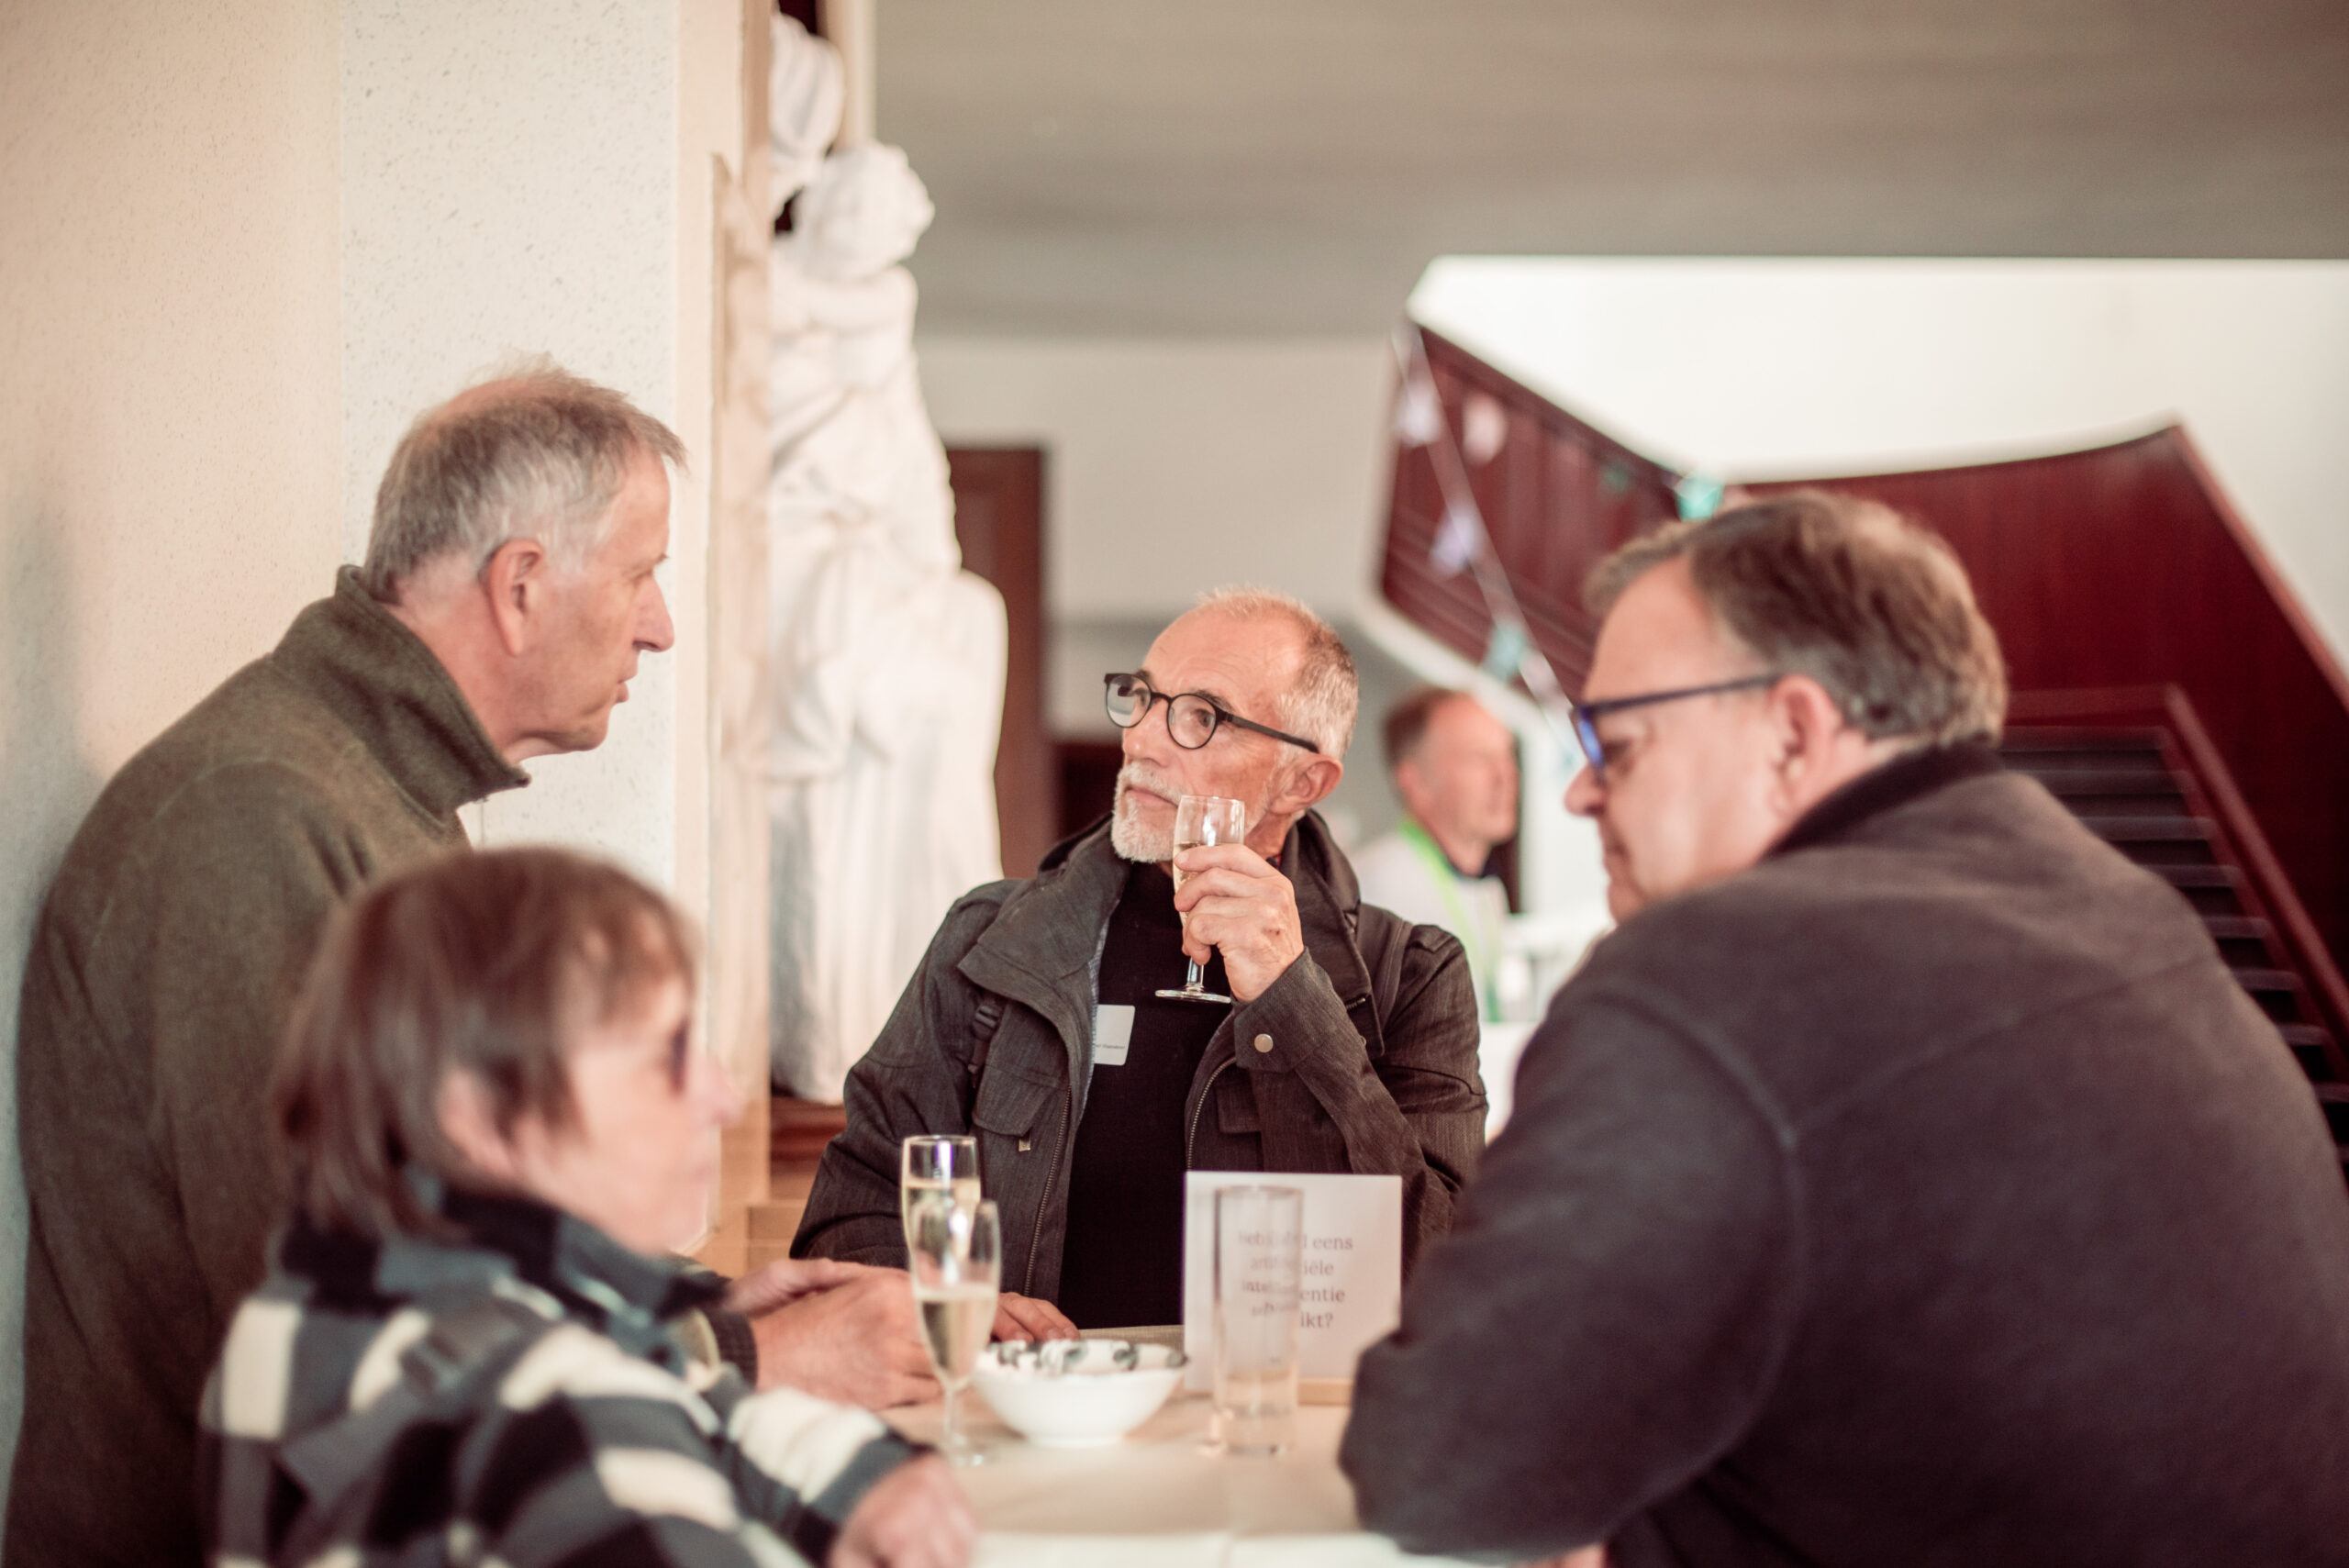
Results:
[1905, 1179]
[1340, 1037]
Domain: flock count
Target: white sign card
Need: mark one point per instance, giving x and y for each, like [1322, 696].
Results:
[1351, 1290]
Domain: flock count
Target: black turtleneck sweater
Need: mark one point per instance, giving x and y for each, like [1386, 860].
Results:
[1123, 1267]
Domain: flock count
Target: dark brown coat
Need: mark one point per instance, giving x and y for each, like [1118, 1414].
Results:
[1928, 1194]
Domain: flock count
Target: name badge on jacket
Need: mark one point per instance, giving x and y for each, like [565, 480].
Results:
[1113, 1031]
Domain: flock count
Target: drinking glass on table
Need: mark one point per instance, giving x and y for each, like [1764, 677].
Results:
[955, 1254]
[936, 1164]
[1201, 820]
[1259, 1255]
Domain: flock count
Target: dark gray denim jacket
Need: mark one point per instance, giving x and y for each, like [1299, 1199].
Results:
[1372, 1065]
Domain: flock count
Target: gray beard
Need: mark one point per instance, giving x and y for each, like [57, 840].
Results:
[1127, 835]
[1134, 841]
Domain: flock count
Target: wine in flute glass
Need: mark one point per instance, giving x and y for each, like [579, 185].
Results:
[1201, 820]
[928, 1164]
[956, 1258]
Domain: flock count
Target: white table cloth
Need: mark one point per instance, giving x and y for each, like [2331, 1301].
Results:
[1157, 1500]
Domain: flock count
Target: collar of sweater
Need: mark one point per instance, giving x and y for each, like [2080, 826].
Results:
[506, 1238]
[1906, 777]
[1041, 949]
[380, 679]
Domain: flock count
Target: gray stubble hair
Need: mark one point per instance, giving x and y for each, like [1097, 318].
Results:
[1322, 699]
[532, 452]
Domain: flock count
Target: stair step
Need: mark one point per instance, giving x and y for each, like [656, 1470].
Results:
[2245, 953]
[2136, 761]
[2313, 1063]
[2246, 927]
[2311, 1048]
[798, 1129]
[2199, 876]
[2141, 808]
[2058, 741]
[2149, 830]
[2335, 1098]
[2273, 980]
[2066, 784]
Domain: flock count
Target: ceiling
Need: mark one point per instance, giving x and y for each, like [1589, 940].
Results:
[1252, 167]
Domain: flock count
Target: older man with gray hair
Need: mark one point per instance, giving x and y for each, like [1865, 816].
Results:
[1905, 1180]
[509, 593]
[1332, 1036]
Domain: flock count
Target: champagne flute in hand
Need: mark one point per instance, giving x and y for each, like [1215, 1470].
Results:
[1201, 820]
[955, 1253]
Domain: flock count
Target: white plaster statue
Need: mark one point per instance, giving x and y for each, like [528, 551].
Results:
[887, 657]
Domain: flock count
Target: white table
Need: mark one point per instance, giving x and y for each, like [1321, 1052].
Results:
[1156, 1500]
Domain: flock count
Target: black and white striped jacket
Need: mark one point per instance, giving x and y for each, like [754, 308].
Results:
[520, 1396]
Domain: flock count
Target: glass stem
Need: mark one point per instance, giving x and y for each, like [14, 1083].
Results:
[1193, 980]
[949, 1440]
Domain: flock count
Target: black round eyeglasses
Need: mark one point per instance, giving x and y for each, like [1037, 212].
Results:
[1192, 717]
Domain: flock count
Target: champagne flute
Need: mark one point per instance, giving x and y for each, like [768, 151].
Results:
[928, 1164]
[1201, 820]
[956, 1258]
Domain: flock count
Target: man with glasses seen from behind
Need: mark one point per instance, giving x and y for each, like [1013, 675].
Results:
[1905, 1180]
[1037, 1023]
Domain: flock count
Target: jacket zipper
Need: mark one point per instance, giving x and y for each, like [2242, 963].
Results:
[1068, 1114]
[1036, 1232]
[1191, 1138]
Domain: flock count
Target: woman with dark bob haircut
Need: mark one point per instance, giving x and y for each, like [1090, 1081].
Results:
[495, 1123]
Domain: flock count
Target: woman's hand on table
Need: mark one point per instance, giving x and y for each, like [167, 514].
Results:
[915, 1516]
[849, 1335]
[1020, 1316]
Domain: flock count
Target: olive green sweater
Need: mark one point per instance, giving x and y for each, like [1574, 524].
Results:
[159, 979]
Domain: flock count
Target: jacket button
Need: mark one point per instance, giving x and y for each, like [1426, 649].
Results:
[1264, 1044]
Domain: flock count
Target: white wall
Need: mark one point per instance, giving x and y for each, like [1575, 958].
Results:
[1759, 369]
[511, 185]
[1177, 466]
[168, 434]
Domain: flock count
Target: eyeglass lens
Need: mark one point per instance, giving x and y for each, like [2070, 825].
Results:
[1593, 752]
[1126, 700]
[1190, 720]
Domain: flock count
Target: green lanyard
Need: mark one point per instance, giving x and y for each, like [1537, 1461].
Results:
[1447, 886]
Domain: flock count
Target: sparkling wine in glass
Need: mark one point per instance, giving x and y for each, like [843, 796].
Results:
[955, 1254]
[1201, 820]
[928, 1164]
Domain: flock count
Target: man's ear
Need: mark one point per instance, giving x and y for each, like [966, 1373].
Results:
[1307, 786]
[462, 1109]
[1805, 723]
[515, 579]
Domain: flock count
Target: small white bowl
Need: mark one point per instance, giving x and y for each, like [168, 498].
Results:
[1091, 1404]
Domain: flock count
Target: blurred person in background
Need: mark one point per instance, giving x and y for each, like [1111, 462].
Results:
[1454, 766]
